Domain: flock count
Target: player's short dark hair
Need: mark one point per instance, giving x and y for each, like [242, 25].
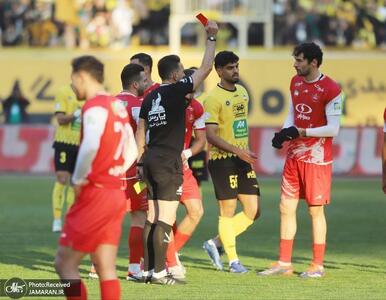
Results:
[310, 51]
[144, 59]
[189, 72]
[89, 64]
[225, 57]
[131, 73]
[167, 65]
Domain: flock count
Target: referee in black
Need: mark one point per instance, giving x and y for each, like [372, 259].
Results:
[163, 116]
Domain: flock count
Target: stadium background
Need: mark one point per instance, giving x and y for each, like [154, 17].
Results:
[39, 38]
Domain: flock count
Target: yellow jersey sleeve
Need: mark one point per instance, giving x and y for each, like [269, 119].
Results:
[61, 101]
[67, 103]
[212, 110]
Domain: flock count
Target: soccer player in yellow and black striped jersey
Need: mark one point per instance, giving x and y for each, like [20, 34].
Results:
[67, 138]
[230, 161]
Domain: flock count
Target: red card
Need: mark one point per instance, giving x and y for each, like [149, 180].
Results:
[202, 19]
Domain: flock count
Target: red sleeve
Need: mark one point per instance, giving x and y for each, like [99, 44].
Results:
[333, 90]
[198, 109]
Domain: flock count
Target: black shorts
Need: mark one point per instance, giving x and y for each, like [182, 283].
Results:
[163, 175]
[232, 176]
[65, 156]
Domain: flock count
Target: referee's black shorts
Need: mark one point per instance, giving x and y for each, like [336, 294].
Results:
[65, 156]
[232, 176]
[163, 175]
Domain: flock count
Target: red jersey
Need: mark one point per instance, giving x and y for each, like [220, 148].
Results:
[194, 120]
[309, 102]
[150, 89]
[107, 168]
[133, 107]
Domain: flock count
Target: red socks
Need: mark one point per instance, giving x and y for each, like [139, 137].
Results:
[286, 250]
[110, 290]
[171, 254]
[135, 245]
[72, 293]
[180, 240]
[318, 251]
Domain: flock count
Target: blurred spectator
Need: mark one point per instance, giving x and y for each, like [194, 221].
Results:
[104, 23]
[14, 107]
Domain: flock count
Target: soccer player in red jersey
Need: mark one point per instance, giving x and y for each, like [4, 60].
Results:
[313, 120]
[146, 62]
[134, 83]
[384, 153]
[191, 196]
[107, 150]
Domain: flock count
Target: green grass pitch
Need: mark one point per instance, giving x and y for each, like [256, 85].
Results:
[355, 260]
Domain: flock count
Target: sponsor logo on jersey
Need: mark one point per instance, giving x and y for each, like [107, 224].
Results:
[304, 110]
[157, 115]
[239, 110]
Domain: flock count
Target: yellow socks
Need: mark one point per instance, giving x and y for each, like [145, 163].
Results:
[228, 237]
[240, 223]
[58, 195]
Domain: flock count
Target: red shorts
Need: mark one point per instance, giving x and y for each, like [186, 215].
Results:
[190, 189]
[94, 219]
[306, 181]
[135, 201]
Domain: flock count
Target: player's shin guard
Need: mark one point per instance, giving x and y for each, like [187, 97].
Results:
[76, 291]
[135, 244]
[286, 250]
[161, 240]
[58, 199]
[228, 237]
[318, 251]
[110, 289]
[241, 222]
[148, 248]
[70, 197]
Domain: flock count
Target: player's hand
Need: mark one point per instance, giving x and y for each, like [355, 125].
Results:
[286, 134]
[211, 28]
[246, 155]
[139, 173]
[78, 188]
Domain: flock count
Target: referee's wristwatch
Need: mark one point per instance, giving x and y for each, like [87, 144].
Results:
[211, 38]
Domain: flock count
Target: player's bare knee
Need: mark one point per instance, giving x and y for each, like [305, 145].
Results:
[316, 211]
[285, 210]
[258, 214]
[63, 178]
[196, 214]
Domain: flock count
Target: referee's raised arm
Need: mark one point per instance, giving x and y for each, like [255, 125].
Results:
[207, 61]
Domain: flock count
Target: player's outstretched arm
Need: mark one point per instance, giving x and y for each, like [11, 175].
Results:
[207, 62]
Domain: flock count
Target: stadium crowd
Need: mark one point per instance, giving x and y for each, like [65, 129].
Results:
[119, 23]
[83, 23]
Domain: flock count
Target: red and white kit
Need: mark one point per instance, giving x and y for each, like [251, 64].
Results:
[307, 171]
[106, 151]
[194, 120]
[135, 201]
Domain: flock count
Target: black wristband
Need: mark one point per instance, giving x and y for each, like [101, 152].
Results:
[139, 164]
